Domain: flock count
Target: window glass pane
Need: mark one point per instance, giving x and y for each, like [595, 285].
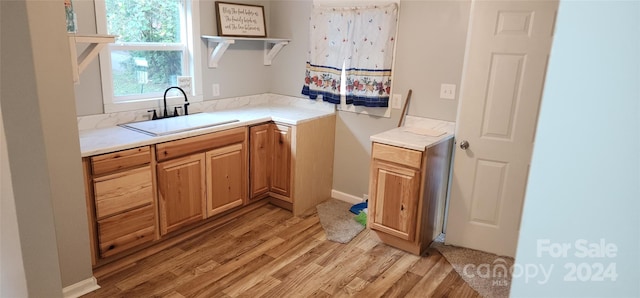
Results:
[144, 20]
[144, 72]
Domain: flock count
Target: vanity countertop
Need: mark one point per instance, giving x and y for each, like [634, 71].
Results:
[114, 138]
[417, 133]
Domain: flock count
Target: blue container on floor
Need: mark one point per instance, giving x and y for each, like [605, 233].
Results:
[355, 209]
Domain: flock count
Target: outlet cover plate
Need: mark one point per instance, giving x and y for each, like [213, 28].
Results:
[215, 88]
[396, 101]
[448, 91]
[185, 82]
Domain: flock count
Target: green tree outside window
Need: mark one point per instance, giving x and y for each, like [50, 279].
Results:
[145, 22]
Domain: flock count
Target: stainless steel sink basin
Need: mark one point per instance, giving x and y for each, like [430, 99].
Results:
[172, 125]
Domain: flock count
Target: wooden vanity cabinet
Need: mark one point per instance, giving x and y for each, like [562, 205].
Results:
[200, 177]
[270, 161]
[407, 191]
[121, 201]
[396, 186]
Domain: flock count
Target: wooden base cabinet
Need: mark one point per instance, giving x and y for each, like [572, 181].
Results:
[406, 194]
[144, 199]
[121, 201]
[270, 161]
[292, 164]
[200, 177]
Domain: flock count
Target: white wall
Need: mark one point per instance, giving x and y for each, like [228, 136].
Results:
[13, 281]
[25, 150]
[43, 147]
[430, 51]
[585, 173]
[89, 90]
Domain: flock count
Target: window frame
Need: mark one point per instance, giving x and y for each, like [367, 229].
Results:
[192, 61]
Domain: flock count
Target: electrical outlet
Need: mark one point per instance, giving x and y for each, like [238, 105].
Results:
[216, 89]
[448, 91]
[396, 101]
[185, 83]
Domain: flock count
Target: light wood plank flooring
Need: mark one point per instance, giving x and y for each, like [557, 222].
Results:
[270, 253]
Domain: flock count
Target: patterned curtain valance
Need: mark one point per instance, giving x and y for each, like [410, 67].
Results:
[359, 40]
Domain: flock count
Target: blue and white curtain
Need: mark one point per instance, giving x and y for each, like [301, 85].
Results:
[358, 39]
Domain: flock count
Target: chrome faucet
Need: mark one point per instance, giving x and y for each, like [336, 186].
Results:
[164, 98]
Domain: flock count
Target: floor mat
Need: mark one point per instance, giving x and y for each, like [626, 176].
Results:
[486, 273]
[338, 222]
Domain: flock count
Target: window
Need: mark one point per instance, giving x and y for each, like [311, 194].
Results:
[154, 46]
[351, 55]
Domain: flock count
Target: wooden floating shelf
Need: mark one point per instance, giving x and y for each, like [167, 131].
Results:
[96, 43]
[217, 45]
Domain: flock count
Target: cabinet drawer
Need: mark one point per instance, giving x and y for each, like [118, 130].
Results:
[113, 162]
[178, 148]
[407, 157]
[121, 232]
[123, 191]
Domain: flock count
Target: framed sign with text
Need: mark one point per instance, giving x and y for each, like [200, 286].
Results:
[240, 20]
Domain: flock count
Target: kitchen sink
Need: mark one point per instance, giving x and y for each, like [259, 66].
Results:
[166, 126]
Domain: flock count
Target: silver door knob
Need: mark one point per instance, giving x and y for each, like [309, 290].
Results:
[464, 145]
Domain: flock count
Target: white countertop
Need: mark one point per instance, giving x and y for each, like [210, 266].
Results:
[411, 135]
[115, 138]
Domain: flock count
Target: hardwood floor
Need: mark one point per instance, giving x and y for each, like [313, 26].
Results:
[270, 253]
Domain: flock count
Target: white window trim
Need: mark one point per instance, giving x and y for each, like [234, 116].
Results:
[195, 64]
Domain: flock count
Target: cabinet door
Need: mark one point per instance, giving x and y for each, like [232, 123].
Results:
[395, 192]
[226, 178]
[181, 192]
[281, 161]
[259, 160]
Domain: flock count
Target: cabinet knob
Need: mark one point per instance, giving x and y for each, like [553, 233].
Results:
[464, 145]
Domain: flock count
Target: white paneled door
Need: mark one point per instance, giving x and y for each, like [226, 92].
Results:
[507, 52]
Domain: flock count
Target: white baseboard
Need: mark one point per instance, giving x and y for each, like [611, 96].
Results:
[338, 195]
[80, 288]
